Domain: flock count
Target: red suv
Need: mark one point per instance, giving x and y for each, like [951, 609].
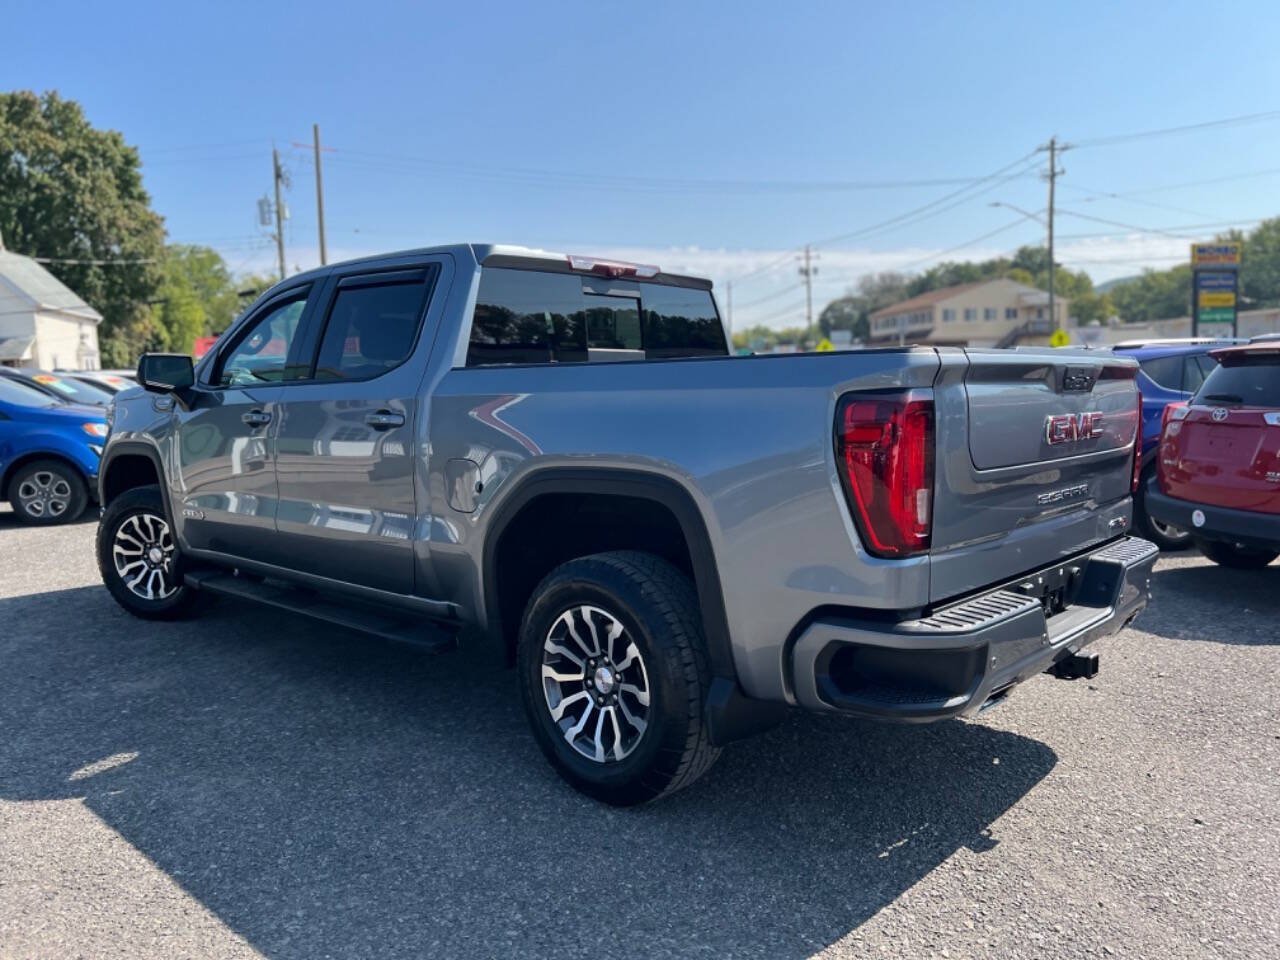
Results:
[1218, 466]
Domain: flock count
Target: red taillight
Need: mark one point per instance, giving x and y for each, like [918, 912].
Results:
[1137, 449]
[885, 447]
[1173, 413]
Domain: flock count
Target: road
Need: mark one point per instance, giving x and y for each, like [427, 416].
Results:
[248, 784]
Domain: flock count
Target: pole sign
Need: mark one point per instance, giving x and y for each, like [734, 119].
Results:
[1215, 288]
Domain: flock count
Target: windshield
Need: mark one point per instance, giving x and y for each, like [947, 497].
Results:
[1252, 380]
[76, 391]
[12, 391]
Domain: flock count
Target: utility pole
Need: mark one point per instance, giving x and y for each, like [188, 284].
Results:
[1054, 149]
[315, 136]
[277, 176]
[807, 271]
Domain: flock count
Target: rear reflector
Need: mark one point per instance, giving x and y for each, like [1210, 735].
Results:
[612, 268]
[884, 444]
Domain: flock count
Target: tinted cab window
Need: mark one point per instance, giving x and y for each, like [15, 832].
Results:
[530, 316]
[260, 351]
[372, 326]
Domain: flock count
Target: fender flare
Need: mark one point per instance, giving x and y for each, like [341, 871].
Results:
[123, 448]
[731, 714]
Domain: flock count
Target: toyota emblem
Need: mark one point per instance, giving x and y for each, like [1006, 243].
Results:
[1219, 414]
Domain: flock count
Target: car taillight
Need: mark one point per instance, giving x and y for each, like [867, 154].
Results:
[1174, 413]
[884, 444]
[1137, 449]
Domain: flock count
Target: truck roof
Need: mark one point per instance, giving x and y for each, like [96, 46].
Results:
[532, 258]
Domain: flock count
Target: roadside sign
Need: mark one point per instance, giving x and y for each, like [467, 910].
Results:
[1059, 338]
[824, 346]
[1216, 255]
[1215, 280]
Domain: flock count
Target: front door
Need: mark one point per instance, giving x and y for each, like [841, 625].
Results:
[225, 471]
[345, 449]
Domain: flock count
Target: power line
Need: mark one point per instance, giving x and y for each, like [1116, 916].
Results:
[1242, 120]
[767, 297]
[1216, 225]
[1128, 226]
[1092, 194]
[967, 243]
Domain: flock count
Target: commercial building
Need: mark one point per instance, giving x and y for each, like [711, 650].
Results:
[989, 313]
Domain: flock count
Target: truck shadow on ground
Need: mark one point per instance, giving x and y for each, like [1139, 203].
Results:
[324, 794]
[1220, 594]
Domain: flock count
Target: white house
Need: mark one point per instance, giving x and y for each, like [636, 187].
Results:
[43, 323]
[989, 313]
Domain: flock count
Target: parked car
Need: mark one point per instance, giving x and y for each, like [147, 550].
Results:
[60, 386]
[558, 457]
[112, 381]
[1218, 470]
[1170, 371]
[49, 453]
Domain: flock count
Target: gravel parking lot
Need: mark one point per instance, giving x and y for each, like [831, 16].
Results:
[249, 784]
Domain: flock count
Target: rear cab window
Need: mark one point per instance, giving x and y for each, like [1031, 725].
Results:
[535, 316]
[1248, 379]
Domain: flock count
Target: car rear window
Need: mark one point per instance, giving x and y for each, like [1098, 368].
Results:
[531, 316]
[75, 390]
[1249, 379]
[12, 391]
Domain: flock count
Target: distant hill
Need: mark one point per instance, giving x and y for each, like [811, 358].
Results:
[1112, 284]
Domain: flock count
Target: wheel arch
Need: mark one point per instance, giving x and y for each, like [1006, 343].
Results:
[129, 464]
[620, 484]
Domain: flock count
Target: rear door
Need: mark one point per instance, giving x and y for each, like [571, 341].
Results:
[345, 439]
[1035, 460]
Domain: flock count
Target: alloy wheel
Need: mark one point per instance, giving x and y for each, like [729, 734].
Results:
[144, 554]
[45, 494]
[595, 684]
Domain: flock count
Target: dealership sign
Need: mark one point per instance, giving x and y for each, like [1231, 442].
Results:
[1215, 287]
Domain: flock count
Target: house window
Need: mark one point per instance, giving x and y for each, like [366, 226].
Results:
[1039, 313]
[989, 313]
[948, 316]
[1011, 313]
[970, 314]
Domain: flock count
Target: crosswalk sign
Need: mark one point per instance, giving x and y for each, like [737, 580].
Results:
[824, 346]
[1059, 339]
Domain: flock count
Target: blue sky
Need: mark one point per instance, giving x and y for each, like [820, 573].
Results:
[711, 137]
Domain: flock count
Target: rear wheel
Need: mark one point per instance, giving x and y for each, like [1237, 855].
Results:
[1164, 535]
[139, 559]
[1236, 555]
[614, 676]
[46, 492]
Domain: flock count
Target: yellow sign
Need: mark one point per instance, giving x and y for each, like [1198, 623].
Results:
[1059, 338]
[1215, 254]
[824, 346]
[1214, 298]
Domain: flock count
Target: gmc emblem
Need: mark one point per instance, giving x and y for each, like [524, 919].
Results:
[1070, 427]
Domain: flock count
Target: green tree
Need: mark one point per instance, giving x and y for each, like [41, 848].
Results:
[1260, 265]
[1155, 295]
[72, 192]
[197, 296]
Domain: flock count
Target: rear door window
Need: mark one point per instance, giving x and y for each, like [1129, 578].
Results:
[530, 316]
[1250, 380]
[372, 325]
[1165, 371]
[1192, 375]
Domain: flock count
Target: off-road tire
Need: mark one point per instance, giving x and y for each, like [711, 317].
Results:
[141, 502]
[657, 606]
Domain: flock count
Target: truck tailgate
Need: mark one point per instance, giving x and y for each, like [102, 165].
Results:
[1034, 460]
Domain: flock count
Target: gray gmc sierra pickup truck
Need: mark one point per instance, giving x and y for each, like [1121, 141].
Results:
[557, 456]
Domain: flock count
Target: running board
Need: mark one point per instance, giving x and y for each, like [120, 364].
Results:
[423, 634]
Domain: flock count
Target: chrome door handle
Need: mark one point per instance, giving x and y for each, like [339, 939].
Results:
[256, 418]
[384, 419]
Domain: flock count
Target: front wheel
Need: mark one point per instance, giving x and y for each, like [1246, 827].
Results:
[46, 492]
[614, 676]
[1235, 555]
[139, 559]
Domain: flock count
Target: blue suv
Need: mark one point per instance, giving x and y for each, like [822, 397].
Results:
[1171, 371]
[49, 452]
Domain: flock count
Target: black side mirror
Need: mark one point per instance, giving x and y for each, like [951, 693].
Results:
[166, 372]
